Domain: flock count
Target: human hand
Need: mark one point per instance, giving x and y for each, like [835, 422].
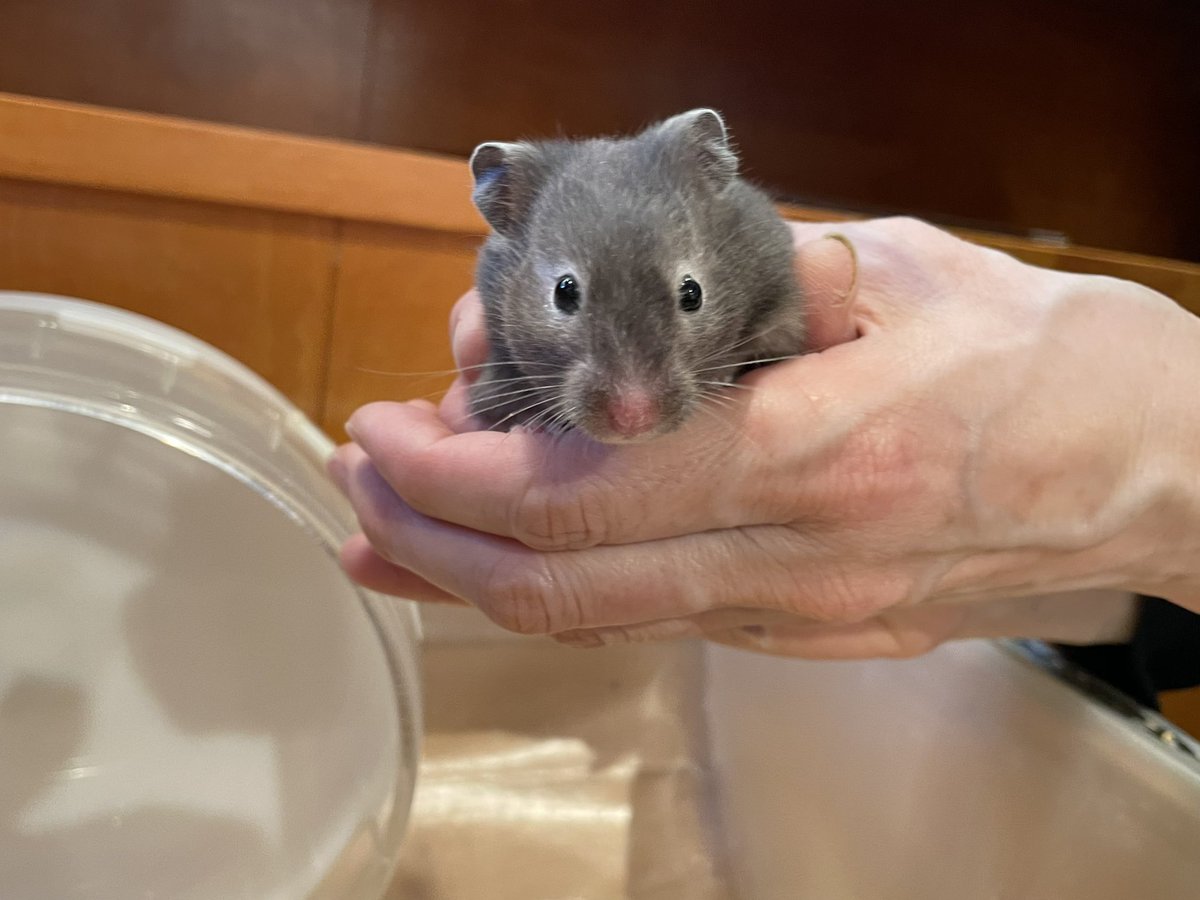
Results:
[994, 433]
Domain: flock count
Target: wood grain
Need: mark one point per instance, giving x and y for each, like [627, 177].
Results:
[394, 295]
[1075, 116]
[295, 65]
[1072, 116]
[165, 157]
[66, 143]
[254, 283]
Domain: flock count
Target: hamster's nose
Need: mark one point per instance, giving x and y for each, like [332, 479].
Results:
[632, 410]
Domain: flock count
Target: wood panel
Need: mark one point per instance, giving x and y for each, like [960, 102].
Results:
[296, 65]
[393, 302]
[68, 143]
[160, 156]
[1073, 116]
[256, 284]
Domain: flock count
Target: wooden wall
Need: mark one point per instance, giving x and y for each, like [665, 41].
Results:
[1075, 116]
[318, 263]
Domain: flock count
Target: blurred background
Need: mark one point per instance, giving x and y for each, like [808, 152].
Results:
[1069, 119]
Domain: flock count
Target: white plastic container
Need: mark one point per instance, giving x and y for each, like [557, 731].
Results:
[194, 701]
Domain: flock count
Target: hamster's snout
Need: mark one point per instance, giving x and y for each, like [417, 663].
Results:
[632, 410]
[628, 409]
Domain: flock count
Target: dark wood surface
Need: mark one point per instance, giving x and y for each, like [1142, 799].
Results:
[1081, 118]
[295, 65]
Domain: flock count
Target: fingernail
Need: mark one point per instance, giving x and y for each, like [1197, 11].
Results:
[337, 471]
[848, 245]
[349, 429]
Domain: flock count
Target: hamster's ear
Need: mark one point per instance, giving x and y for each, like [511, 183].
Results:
[504, 188]
[702, 135]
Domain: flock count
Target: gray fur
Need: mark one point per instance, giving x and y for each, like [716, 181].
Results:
[627, 218]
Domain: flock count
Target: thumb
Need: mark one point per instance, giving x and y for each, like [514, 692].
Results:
[827, 272]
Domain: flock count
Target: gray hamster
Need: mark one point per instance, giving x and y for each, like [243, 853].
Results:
[626, 279]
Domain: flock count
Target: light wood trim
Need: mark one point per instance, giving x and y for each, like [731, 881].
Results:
[1025, 247]
[69, 143]
[74, 144]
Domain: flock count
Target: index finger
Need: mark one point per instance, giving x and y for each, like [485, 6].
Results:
[755, 459]
[562, 492]
[468, 339]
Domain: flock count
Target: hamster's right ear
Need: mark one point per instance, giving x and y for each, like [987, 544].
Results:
[503, 184]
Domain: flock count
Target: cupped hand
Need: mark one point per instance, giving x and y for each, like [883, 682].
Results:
[975, 435]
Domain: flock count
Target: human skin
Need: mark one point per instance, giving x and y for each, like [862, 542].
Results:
[983, 448]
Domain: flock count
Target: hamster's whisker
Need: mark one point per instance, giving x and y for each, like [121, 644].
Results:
[709, 400]
[743, 342]
[709, 393]
[516, 392]
[706, 410]
[728, 384]
[748, 362]
[461, 370]
[736, 233]
[520, 378]
[508, 399]
[546, 417]
[523, 409]
[392, 374]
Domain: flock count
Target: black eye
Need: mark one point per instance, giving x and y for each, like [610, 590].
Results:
[690, 294]
[566, 294]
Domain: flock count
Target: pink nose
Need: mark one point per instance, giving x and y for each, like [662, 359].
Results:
[632, 410]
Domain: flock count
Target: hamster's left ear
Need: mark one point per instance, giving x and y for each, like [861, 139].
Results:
[506, 181]
[702, 136]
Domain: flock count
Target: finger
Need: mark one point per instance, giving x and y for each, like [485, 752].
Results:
[440, 555]
[335, 467]
[455, 408]
[468, 336]
[695, 626]
[895, 634]
[367, 568]
[827, 271]
[808, 232]
[546, 593]
[1079, 617]
[562, 492]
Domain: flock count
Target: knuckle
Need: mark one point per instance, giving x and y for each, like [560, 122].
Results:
[838, 602]
[522, 595]
[562, 518]
[909, 227]
[907, 643]
[847, 599]
[385, 531]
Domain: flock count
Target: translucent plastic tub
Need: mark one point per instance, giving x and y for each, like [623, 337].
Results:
[194, 701]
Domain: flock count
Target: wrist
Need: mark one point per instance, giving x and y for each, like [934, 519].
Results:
[1169, 461]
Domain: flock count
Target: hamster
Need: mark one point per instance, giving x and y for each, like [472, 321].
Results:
[626, 280]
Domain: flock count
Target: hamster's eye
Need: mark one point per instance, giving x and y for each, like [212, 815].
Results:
[690, 295]
[566, 294]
